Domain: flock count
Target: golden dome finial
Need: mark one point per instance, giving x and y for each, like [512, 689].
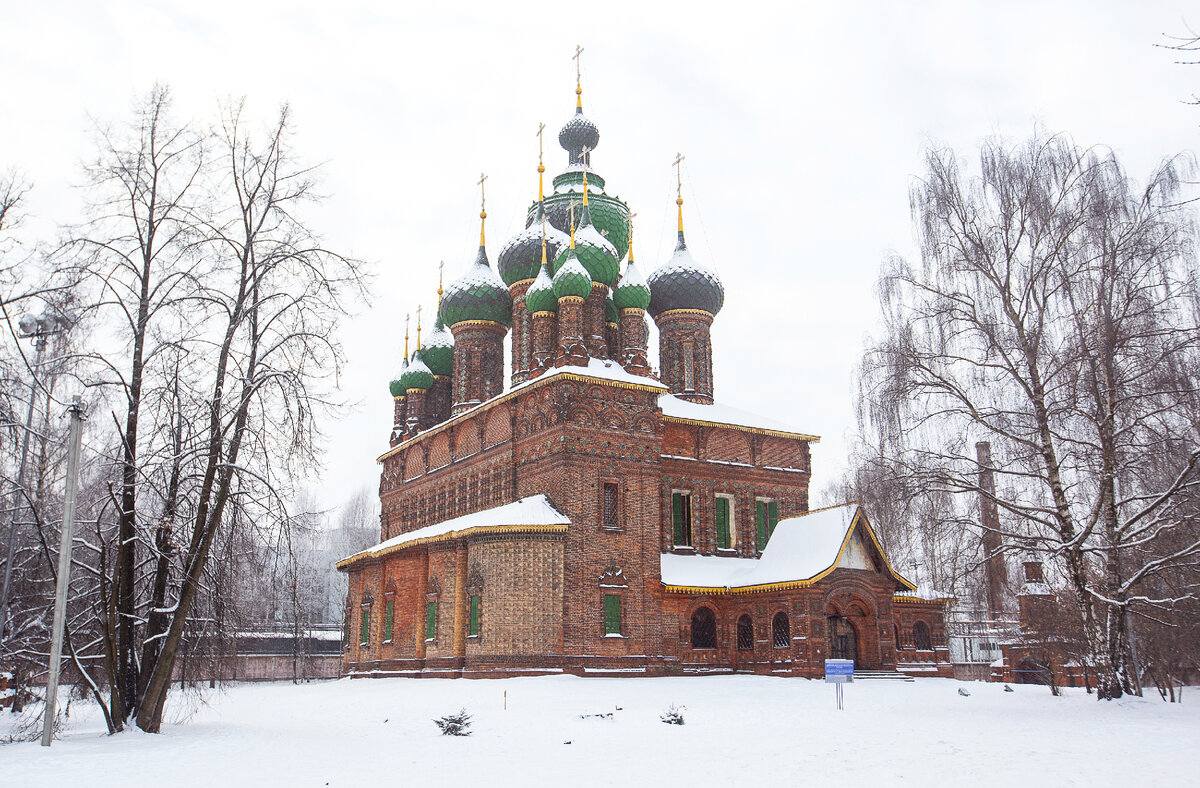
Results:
[631, 236]
[418, 327]
[578, 78]
[441, 265]
[406, 319]
[482, 207]
[541, 167]
[679, 187]
[571, 208]
[584, 158]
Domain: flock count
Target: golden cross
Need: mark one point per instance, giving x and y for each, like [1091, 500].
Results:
[632, 216]
[541, 128]
[678, 176]
[441, 265]
[575, 57]
[482, 197]
[418, 326]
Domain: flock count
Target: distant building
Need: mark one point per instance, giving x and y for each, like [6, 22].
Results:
[596, 517]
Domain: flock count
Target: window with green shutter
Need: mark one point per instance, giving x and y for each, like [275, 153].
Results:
[772, 517]
[722, 518]
[430, 620]
[760, 523]
[474, 630]
[681, 518]
[387, 622]
[612, 614]
[365, 633]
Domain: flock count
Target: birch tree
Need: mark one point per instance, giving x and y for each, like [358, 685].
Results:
[1052, 312]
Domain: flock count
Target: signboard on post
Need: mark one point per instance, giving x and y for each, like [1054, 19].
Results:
[839, 672]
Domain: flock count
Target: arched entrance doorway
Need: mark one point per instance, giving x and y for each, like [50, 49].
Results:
[843, 641]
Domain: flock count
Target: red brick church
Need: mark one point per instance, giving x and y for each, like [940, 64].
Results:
[599, 515]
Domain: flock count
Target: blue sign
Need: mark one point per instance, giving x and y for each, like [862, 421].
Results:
[839, 671]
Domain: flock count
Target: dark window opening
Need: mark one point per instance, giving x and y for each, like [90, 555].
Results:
[387, 622]
[921, 639]
[745, 634]
[681, 519]
[781, 631]
[704, 629]
[366, 626]
[610, 505]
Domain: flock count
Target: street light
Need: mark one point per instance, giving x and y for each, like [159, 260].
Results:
[37, 328]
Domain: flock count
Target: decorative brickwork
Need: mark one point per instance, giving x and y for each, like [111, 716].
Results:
[522, 334]
[633, 341]
[545, 340]
[685, 353]
[572, 350]
[478, 362]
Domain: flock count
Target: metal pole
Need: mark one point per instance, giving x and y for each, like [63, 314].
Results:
[64, 569]
[16, 494]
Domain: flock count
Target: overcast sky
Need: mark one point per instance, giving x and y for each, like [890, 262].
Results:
[803, 125]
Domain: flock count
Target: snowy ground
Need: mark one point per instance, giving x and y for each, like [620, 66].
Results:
[740, 730]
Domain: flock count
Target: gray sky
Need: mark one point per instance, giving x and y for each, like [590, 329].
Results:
[802, 123]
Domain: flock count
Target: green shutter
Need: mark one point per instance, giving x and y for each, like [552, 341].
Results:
[366, 626]
[430, 620]
[677, 517]
[772, 517]
[387, 624]
[612, 614]
[474, 616]
[723, 523]
[760, 522]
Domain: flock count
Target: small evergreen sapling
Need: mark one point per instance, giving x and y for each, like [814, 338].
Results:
[673, 715]
[455, 724]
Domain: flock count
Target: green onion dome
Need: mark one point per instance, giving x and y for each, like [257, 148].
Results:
[438, 350]
[572, 278]
[632, 292]
[419, 375]
[611, 315]
[682, 283]
[609, 215]
[595, 253]
[397, 385]
[540, 295]
[477, 295]
[522, 254]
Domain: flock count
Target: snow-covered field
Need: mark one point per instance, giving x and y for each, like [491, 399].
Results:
[740, 730]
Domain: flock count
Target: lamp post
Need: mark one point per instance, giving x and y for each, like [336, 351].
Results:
[37, 328]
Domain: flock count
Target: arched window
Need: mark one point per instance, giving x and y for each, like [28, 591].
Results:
[781, 631]
[921, 640]
[745, 634]
[704, 629]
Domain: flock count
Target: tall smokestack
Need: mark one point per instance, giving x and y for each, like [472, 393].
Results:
[994, 570]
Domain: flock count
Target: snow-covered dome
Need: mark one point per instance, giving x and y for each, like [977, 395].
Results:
[521, 256]
[632, 292]
[683, 283]
[477, 295]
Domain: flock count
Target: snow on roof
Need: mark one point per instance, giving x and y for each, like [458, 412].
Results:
[536, 510]
[597, 368]
[674, 407]
[801, 548]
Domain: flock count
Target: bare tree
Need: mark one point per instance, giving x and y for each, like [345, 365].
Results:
[1053, 314]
